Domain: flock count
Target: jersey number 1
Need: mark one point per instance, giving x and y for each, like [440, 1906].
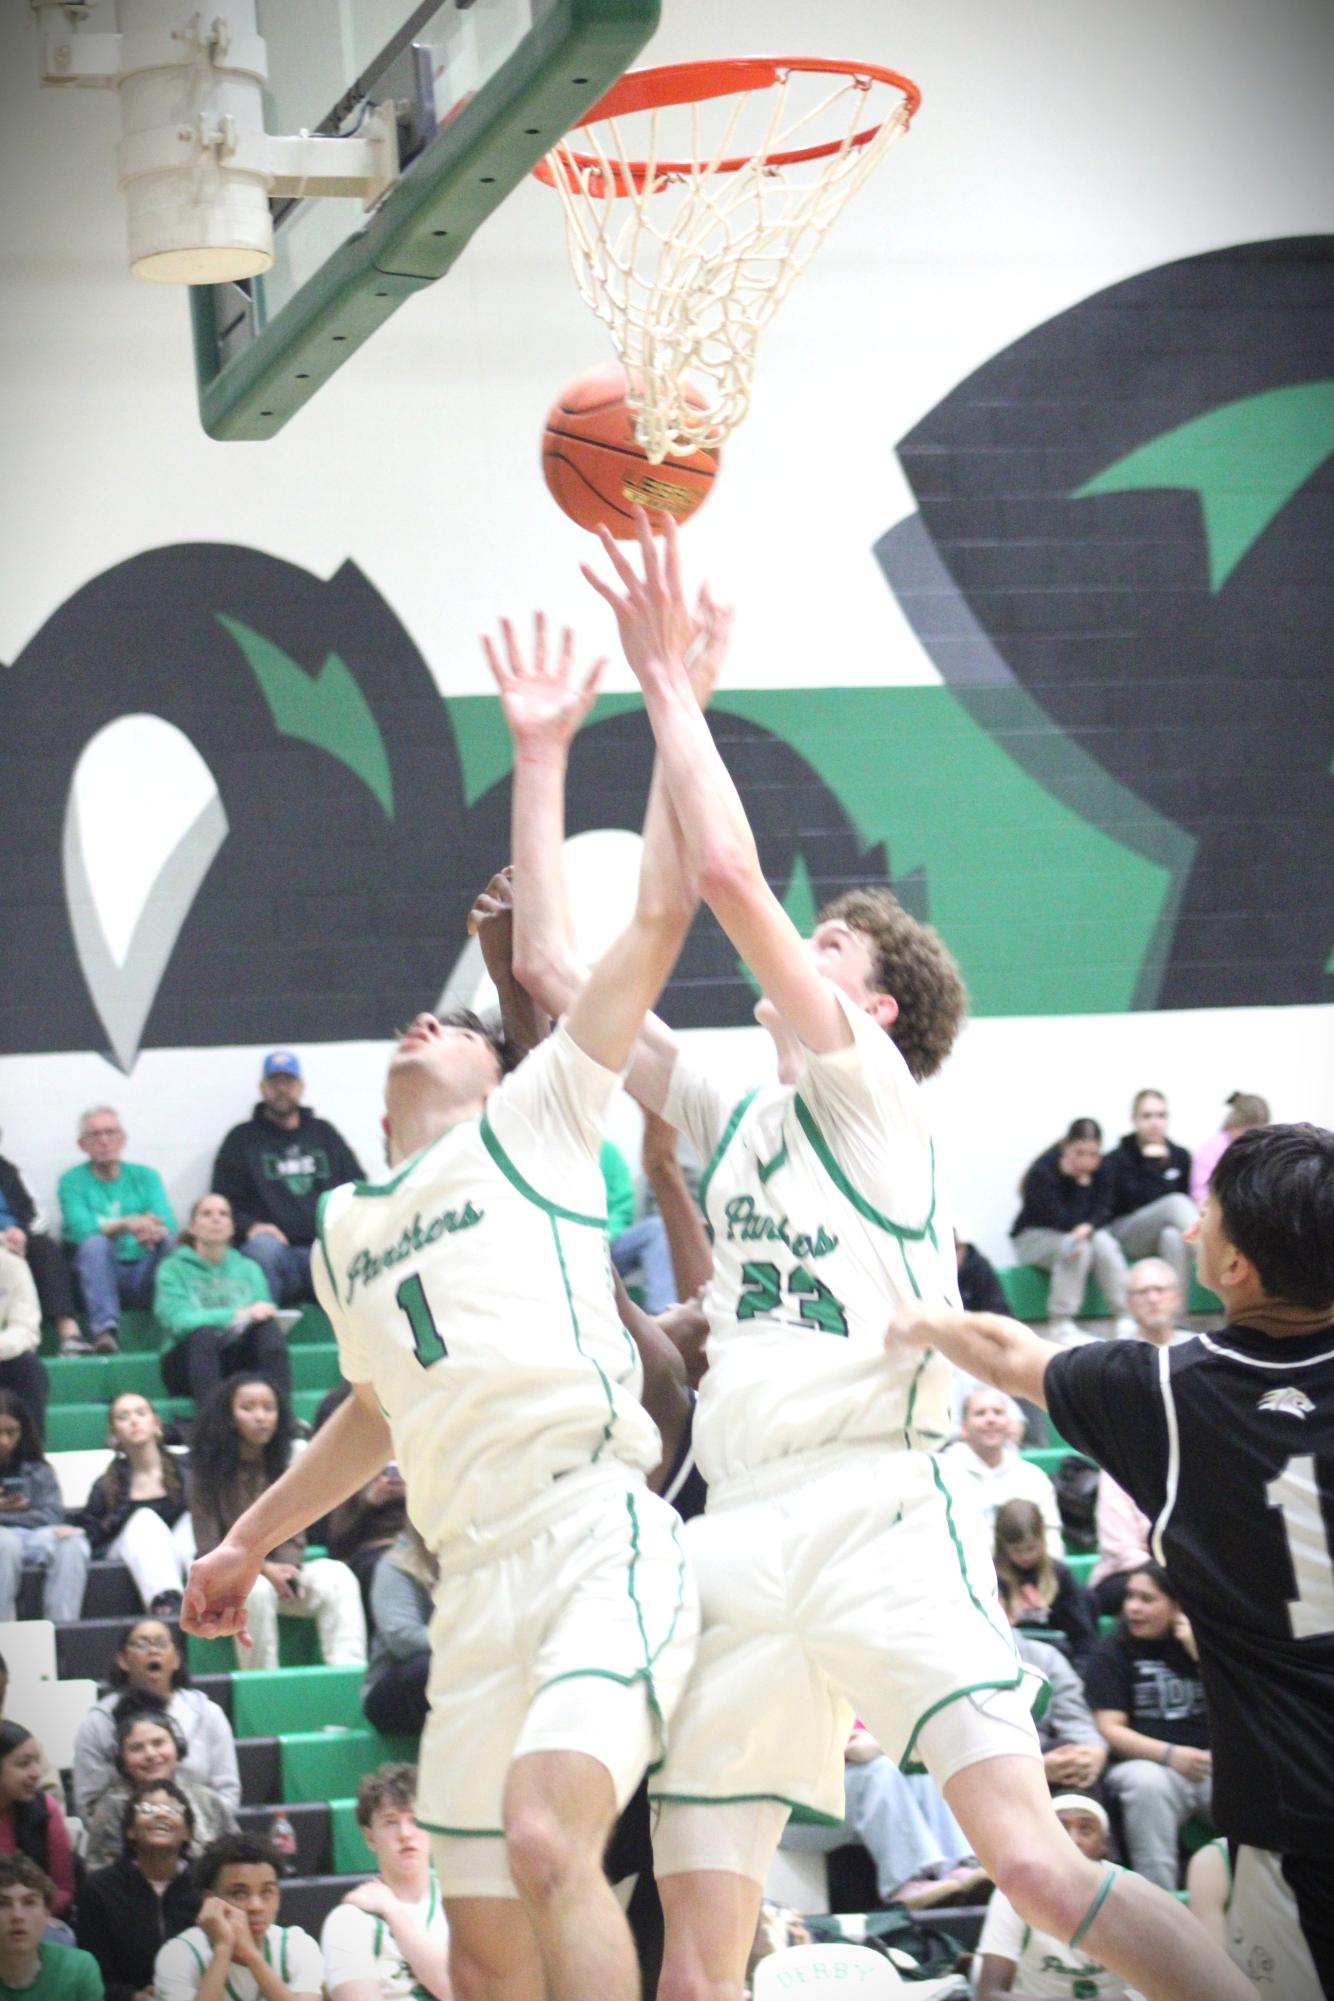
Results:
[1296, 1495]
[426, 1342]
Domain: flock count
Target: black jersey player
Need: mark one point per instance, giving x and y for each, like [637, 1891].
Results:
[1226, 1441]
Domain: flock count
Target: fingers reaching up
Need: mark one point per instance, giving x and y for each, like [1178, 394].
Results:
[544, 698]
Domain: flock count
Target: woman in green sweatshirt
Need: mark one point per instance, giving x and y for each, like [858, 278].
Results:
[216, 1309]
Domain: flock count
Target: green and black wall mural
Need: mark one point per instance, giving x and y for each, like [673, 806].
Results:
[1119, 797]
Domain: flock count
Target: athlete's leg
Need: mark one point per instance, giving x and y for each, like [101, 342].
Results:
[1004, 1808]
[493, 1955]
[711, 1860]
[559, 1810]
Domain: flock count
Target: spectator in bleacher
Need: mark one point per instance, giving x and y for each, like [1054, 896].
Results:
[129, 1910]
[393, 1694]
[389, 1939]
[1246, 1111]
[921, 1853]
[1144, 1687]
[116, 1216]
[273, 1170]
[216, 1309]
[137, 1512]
[21, 1368]
[33, 1529]
[1123, 1545]
[150, 1748]
[361, 1530]
[50, 1779]
[1045, 1590]
[148, 1660]
[32, 1822]
[242, 1443]
[1014, 1959]
[1074, 1752]
[237, 1948]
[22, 1234]
[1062, 1226]
[984, 1469]
[31, 1965]
[1155, 1302]
[1148, 1182]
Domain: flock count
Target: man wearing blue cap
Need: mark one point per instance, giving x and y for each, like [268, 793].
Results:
[273, 1170]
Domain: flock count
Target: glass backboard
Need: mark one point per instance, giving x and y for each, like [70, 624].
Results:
[481, 89]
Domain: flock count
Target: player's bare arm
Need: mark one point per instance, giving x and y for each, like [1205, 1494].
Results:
[996, 1349]
[491, 922]
[544, 700]
[666, 1393]
[343, 1455]
[655, 629]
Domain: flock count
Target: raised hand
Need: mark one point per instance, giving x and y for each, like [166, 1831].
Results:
[214, 1606]
[545, 700]
[491, 922]
[655, 623]
[708, 648]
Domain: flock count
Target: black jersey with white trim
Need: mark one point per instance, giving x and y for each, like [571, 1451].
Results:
[1226, 1442]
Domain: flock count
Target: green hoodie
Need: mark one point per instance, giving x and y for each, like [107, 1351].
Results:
[191, 1291]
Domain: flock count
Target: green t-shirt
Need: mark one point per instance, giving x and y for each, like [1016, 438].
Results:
[63, 1974]
[86, 1200]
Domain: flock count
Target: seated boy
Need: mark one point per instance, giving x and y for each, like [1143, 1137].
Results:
[40, 1971]
[238, 1951]
[388, 1940]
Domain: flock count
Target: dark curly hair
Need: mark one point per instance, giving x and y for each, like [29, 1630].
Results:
[913, 963]
[28, 1451]
[250, 1850]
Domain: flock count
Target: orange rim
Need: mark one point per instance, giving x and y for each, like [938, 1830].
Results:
[689, 83]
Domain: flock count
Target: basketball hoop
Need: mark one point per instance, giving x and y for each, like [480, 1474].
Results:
[694, 197]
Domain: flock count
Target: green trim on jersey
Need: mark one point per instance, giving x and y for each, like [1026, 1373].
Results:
[741, 1799]
[324, 1248]
[769, 1168]
[944, 1493]
[738, 1113]
[389, 1187]
[610, 1425]
[846, 1189]
[525, 1188]
[680, 1593]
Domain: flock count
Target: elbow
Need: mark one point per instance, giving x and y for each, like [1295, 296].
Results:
[727, 872]
[545, 976]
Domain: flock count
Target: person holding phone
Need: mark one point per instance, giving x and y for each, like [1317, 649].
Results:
[242, 1443]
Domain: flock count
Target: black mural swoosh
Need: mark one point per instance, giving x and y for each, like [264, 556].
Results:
[1097, 611]
[336, 904]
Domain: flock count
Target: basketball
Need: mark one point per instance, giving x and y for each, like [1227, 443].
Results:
[596, 470]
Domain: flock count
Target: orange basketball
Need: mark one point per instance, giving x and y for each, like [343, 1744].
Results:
[596, 470]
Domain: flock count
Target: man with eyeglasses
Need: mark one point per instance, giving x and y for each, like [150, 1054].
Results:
[1153, 1295]
[118, 1222]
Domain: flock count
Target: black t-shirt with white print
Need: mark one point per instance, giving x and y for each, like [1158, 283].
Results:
[1154, 1683]
[1226, 1442]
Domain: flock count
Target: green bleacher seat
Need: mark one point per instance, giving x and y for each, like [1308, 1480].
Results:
[298, 1647]
[350, 1854]
[267, 1702]
[327, 1764]
[1080, 1563]
[99, 1378]
[140, 1333]
[1048, 1457]
[1025, 1287]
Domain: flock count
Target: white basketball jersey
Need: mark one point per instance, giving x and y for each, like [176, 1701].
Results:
[821, 1201]
[472, 1289]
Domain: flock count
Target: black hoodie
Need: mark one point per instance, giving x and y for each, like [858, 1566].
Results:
[271, 1174]
[124, 1923]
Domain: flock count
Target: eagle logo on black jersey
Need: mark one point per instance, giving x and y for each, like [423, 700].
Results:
[1294, 1401]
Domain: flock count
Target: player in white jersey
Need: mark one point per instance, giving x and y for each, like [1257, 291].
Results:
[470, 1293]
[833, 1572]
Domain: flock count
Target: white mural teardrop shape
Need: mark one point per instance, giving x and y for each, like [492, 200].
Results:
[143, 823]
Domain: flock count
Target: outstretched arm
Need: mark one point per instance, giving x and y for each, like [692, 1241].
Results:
[491, 923]
[544, 701]
[342, 1456]
[653, 621]
[996, 1349]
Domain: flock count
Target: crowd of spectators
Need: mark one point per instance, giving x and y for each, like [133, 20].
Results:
[164, 1886]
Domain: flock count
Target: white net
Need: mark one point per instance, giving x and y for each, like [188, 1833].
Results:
[686, 263]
